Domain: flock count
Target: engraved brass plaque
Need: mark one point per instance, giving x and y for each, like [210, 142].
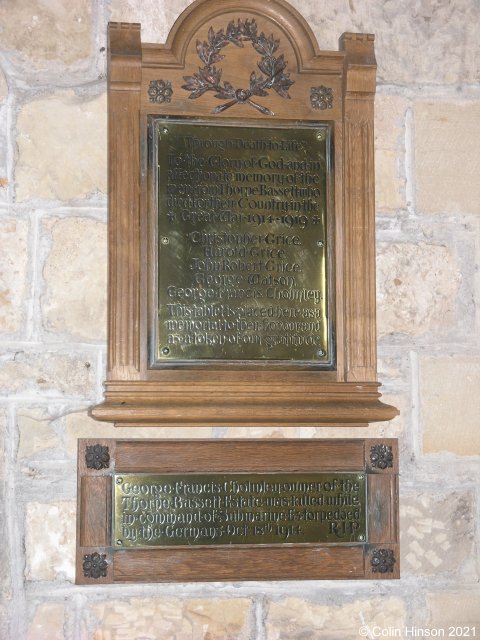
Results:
[241, 217]
[237, 508]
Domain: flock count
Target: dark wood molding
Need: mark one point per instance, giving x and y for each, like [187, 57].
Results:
[235, 562]
[232, 395]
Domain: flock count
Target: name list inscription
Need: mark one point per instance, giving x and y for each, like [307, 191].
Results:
[241, 242]
[157, 510]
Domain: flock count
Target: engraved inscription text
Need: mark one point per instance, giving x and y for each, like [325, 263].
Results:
[152, 510]
[241, 236]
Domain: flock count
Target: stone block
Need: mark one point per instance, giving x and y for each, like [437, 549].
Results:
[410, 37]
[5, 562]
[75, 275]
[260, 432]
[393, 367]
[389, 183]
[436, 533]
[80, 425]
[47, 31]
[36, 431]
[3, 438]
[219, 619]
[166, 618]
[13, 274]
[48, 373]
[298, 619]
[390, 114]
[3, 619]
[417, 286]
[450, 404]
[152, 30]
[447, 157]
[3, 137]
[47, 623]
[3, 87]
[62, 141]
[50, 540]
[454, 608]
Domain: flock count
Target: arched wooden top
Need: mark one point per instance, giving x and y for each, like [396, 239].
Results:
[154, 80]
[279, 12]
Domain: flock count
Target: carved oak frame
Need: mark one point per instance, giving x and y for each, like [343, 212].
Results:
[136, 395]
[100, 561]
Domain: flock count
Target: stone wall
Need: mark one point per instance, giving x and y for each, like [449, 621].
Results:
[52, 327]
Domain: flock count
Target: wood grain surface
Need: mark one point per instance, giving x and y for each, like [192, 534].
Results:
[229, 393]
[239, 562]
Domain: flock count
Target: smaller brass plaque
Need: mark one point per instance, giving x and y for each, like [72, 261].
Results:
[238, 508]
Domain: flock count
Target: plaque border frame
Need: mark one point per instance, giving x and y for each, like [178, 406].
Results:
[138, 396]
[378, 558]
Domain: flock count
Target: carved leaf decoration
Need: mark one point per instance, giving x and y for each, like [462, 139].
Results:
[202, 51]
[208, 77]
[216, 57]
[198, 93]
[279, 64]
[257, 85]
[235, 34]
[249, 29]
[282, 85]
[264, 66]
[211, 35]
[211, 76]
[266, 46]
[191, 83]
[261, 45]
[218, 41]
[227, 91]
[195, 94]
[272, 66]
[196, 85]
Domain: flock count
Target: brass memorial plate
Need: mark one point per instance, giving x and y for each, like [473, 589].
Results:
[223, 509]
[234, 508]
[241, 215]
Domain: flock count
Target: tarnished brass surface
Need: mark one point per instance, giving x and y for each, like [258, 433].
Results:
[191, 509]
[241, 219]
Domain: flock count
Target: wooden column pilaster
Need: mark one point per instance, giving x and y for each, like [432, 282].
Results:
[125, 75]
[359, 207]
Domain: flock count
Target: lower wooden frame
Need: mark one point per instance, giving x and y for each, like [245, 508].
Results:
[297, 399]
[99, 562]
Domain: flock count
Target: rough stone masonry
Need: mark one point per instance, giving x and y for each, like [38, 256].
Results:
[52, 327]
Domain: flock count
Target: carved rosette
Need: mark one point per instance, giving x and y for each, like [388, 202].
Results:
[382, 561]
[95, 566]
[381, 456]
[160, 91]
[97, 457]
[321, 97]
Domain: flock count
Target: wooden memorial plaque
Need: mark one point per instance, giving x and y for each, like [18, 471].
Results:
[241, 223]
[162, 511]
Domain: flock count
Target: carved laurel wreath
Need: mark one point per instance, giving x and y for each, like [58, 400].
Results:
[208, 77]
